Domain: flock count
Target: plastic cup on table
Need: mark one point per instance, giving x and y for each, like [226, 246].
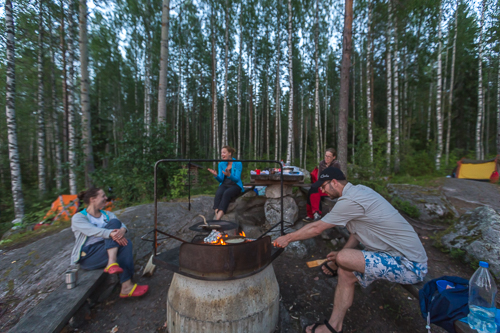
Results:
[257, 171]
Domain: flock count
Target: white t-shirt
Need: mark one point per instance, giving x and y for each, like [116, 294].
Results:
[98, 222]
[376, 223]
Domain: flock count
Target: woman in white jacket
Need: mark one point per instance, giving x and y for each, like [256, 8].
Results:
[100, 242]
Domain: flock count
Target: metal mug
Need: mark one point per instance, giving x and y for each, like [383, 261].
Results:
[71, 278]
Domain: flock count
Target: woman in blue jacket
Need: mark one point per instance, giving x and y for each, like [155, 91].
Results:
[229, 178]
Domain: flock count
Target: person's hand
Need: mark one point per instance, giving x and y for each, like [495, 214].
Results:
[282, 241]
[117, 237]
[332, 256]
[227, 172]
[212, 171]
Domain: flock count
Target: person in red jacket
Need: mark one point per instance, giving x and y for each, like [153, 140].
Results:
[314, 195]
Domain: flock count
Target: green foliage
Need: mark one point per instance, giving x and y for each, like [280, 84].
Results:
[406, 207]
[178, 183]
[131, 172]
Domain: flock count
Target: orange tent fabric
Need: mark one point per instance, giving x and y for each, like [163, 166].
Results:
[478, 170]
[64, 207]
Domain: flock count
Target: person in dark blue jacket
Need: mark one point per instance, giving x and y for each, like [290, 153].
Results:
[229, 178]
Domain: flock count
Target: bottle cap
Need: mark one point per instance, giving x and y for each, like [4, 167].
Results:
[484, 264]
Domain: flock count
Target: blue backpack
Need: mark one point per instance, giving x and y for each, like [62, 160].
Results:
[443, 308]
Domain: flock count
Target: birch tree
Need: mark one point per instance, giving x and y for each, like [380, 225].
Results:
[480, 106]
[439, 90]
[290, 74]
[498, 110]
[388, 64]
[84, 96]
[368, 82]
[316, 88]
[344, 86]
[239, 88]
[396, 98]
[41, 106]
[55, 117]
[10, 111]
[71, 103]
[277, 133]
[450, 97]
[226, 61]
[162, 85]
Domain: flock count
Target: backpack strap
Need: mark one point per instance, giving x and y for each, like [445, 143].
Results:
[103, 212]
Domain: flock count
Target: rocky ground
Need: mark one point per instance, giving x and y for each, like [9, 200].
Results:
[307, 295]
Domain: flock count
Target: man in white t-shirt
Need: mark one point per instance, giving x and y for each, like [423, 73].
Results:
[392, 252]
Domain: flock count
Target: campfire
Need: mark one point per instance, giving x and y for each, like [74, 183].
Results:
[221, 238]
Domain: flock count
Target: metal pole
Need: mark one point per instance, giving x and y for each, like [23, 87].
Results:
[189, 186]
[155, 245]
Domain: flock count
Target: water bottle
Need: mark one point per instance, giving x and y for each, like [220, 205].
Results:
[482, 293]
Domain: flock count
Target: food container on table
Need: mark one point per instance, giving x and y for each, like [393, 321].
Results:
[71, 278]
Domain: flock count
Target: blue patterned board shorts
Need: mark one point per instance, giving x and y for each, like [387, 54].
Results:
[381, 266]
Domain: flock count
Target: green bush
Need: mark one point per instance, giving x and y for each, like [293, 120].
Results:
[406, 207]
[131, 172]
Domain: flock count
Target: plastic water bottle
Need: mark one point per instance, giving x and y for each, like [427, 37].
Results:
[482, 293]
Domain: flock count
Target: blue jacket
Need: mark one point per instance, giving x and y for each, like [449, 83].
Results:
[236, 169]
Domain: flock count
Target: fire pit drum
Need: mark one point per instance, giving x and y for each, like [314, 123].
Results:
[247, 305]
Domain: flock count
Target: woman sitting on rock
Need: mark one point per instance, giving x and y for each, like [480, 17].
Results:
[100, 242]
[229, 178]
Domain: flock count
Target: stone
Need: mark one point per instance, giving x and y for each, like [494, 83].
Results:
[274, 191]
[247, 210]
[272, 210]
[431, 203]
[476, 234]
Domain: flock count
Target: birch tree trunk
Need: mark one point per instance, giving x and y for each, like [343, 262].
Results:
[84, 96]
[439, 90]
[344, 86]
[41, 111]
[10, 110]
[301, 152]
[147, 88]
[64, 84]
[71, 104]
[353, 109]
[368, 82]
[388, 63]
[239, 90]
[267, 117]
[480, 105]
[316, 87]
[498, 110]
[226, 60]
[290, 74]
[396, 98]
[55, 122]
[177, 116]
[452, 78]
[326, 107]
[214, 95]
[429, 115]
[278, 88]
[163, 77]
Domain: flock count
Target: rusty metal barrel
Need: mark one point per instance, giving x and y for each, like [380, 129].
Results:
[245, 305]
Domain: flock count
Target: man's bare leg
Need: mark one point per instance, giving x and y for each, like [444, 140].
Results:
[348, 260]
[112, 255]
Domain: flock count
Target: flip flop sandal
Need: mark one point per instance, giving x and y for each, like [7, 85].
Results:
[113, 269]
[333, 271]
[136, 291]
[327, 324]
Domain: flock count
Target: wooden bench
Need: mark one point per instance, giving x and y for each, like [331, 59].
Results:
[54, 311]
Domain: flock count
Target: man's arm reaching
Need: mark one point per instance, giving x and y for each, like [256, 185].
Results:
[308, 231]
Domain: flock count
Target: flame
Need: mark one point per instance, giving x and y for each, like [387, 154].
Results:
[220, 241]
[242, 234]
